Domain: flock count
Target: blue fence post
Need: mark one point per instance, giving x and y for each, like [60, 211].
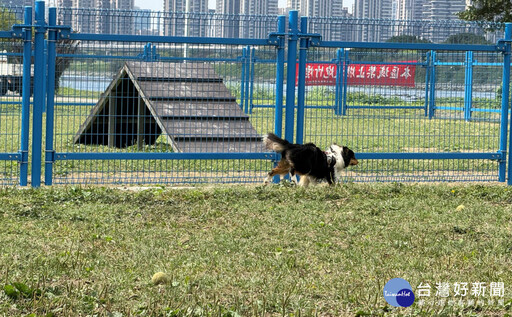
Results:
[252, 62]
[346, 62]
[427, 82]
[45, 82]
[290, 76]
[50, 94]
[25, 98]
[432, 85]
[39, 78]
[505, 105]
[338, 90]
[251, 87]
[468, 85]
[242, 84]
[301, 85]
[247, 63]
[278, 118]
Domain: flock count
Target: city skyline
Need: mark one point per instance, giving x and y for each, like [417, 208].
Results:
[157, 5]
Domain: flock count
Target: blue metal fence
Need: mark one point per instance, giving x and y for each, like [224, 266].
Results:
[184, 98]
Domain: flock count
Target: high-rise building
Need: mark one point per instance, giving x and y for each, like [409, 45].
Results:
[323, 8]
[122, 21]
[64, 14]
[375, 10]
[84, 22]
[103, 23]
[444, 11]
[99, 16]
[122, 4]
[410, 10]
[252, 8]
[335, 28]
[229, 26]
[317, 8]
[257, 7]
[181, 17]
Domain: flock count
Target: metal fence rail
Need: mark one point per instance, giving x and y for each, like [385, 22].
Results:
[184, 98]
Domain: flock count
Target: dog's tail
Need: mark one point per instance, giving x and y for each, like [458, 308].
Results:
[275, 143]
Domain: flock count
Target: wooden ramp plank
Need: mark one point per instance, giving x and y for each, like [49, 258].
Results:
[191, 108]
[172, 70]
[186, 90]
[217, 128]
[206, 146]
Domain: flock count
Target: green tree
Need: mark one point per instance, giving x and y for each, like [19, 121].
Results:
[7, 19]
[69, 47]
[467, 38]
[488, 10]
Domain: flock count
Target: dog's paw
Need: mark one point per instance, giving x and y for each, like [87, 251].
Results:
[287, 183]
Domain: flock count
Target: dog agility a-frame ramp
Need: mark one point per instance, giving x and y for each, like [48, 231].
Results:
[188, 103]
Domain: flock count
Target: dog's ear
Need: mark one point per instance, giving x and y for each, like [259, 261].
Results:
[347, 151]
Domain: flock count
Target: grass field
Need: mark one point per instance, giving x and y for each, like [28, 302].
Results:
[253, 251]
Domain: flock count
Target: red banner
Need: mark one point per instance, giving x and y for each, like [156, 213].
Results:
[320, 74]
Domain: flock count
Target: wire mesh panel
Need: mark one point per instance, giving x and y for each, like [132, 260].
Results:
[11, 74]
[382, 105]
[486, 87]
[128, 99]
[10, 124]
[468, 85]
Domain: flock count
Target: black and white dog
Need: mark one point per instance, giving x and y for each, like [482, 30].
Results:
[308, 160]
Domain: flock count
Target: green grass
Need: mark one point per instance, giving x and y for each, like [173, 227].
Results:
[71, 92]
[250, 251]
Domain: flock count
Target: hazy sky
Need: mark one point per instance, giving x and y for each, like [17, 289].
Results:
[157, 5]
